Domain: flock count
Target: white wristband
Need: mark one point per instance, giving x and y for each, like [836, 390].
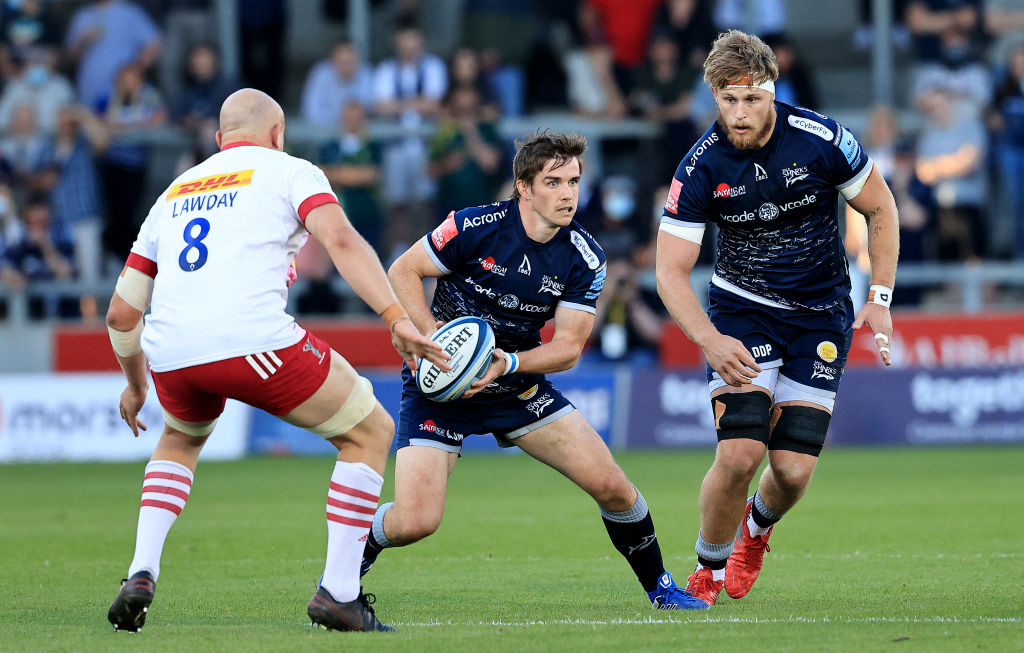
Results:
[126, 343]
[511, 363]
[881, 295]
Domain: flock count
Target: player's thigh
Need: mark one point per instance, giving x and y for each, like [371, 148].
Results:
[572, 446]
[343, 406]
[421, 483]
[742, 423]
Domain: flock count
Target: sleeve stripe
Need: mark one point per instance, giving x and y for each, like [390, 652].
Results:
[314, 201]
[578, 307]
[864, 172]
[682, 222]
[142, 264]
[692, 233]
[433, 257]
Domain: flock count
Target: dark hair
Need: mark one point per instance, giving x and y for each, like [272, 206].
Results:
[533, 154]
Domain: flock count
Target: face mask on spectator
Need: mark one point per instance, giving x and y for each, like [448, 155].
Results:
[37, 75]
[618, 206]
[4, 204]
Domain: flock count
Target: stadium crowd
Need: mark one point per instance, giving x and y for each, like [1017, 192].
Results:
[85, 83]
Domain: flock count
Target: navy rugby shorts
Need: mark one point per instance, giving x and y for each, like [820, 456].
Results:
[802, 353]
[427, 423]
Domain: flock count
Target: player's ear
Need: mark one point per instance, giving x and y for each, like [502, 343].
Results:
[277, 136]
[217, 138]
[523, 187]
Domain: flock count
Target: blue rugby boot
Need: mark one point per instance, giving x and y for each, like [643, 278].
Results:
[670, 596]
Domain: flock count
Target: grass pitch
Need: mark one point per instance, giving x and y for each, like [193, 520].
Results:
[891, 549]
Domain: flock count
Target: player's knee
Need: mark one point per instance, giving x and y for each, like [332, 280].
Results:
[801, 429]
[417, 526]
[742, 415]
[792, 478]
[613, 492]
[738, 466]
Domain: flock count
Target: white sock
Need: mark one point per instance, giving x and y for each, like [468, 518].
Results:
[754, 529]
[351, 503]
[716, 574]
[165, 490]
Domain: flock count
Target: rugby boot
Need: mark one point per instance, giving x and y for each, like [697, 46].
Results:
[703, 586]
[356, 614]
[670, 596]
[128, 611]
[744, 564]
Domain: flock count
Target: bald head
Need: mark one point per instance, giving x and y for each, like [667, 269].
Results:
[253, 116]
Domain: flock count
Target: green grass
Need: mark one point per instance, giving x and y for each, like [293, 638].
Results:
[891, 549]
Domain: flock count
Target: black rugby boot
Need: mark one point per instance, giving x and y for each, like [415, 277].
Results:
[128, 611]
[357, 614]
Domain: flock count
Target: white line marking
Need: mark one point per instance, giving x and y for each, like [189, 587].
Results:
[716, 620]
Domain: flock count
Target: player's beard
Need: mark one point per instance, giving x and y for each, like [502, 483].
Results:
[750, 140]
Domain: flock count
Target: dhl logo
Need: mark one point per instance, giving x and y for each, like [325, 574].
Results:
[214, 182]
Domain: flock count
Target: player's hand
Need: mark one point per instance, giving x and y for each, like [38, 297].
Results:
[879, 320]
[132, 400]
[496, 369]
[727, 356]
[413, 345]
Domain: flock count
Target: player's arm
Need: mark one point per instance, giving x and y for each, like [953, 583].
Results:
[358, 264]
[407, 274]
[572, 330]
[876, 203]
[673, 264]
[132, 295]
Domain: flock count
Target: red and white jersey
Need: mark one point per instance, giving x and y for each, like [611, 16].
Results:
[219, 243]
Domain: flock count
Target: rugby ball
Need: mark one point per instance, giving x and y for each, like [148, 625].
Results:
[470, 343]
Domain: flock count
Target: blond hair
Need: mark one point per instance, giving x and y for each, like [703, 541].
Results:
[739, 58]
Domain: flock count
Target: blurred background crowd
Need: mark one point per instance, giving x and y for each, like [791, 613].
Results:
[411, 108]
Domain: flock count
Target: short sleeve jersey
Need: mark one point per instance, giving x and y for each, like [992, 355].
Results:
[494, 271]
[776, 208]
[219, 242]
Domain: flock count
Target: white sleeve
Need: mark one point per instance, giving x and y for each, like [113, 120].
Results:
[308, 188]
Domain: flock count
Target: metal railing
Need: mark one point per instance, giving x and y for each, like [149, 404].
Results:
[972, 288]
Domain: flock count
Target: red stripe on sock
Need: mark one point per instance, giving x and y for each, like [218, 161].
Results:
[152, 503]
[348, 521]
[350, 506]
[170, 477]
[352, 492]
[163, 489]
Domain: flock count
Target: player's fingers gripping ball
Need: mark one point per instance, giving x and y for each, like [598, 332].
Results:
[470, 343]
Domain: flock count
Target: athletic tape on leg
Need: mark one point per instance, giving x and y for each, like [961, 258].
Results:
[195, 429]
[359, 404]
[742, 415]
[801, 429]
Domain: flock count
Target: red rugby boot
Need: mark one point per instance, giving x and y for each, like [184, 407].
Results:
[744, 564]
[701, 585]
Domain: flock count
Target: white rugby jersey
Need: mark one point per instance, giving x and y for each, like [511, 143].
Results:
[219, 242]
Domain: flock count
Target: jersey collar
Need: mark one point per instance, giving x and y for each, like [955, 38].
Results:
[237, 144]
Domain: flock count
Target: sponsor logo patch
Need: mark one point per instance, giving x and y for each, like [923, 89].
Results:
[528, 394]
[827, 351]
[538, 405]
[849, 146]
[213, 182]
[724, 190]
[812, 127]
[701, 149]
[672, 203]
[492, 267]
[759, 173]
[768, 211]
[509, 301]
[444, 232]
[430, 426]
[793, 175]
[588, 254]
[478, 220]
[548, 284]
[524, 267]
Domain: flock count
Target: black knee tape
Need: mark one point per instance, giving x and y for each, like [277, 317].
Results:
[742, 415]
[801, 429]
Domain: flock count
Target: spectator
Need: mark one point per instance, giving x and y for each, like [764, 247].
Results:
[1007, 120]
[663, 93]
[28, 27]
[864, 37]
[67, 170]
[794, 85]
[764, 17]
[593, 91]
[689, 23]
[22, 145]
[625, 27]
[465, 72]
[409, 87]
[105, 36]
[333, 83]
[352, 164]
[197, 108]
[38, 256]
[465, 154]
[39, 87]
[951, 159]
[133, 107]
[185, 23]
[262, 26]
[927, 20]
[958, 70]
[1004, 22]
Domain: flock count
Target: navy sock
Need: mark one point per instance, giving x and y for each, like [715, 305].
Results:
[632, 535]
[712, 564]
[762, 515]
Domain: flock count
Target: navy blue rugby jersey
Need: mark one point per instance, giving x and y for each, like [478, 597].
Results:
[494, 271]
[776, 208]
